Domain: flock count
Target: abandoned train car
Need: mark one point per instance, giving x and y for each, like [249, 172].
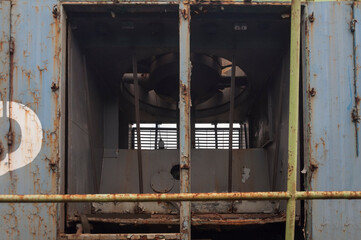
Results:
[180, 119]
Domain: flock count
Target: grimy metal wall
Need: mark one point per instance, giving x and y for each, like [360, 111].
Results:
[332, 88]
[32, 71]
[30, 74]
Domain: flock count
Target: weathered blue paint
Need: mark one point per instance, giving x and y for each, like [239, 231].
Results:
[7, 223]
[32, 68]
[330, 141]
[329, 131]
[185, 116]
[4, 71]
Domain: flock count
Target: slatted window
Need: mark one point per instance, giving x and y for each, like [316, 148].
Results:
[152, 134]
[216, 136]
[207, 136]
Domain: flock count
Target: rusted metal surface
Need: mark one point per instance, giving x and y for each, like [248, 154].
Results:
[8, 221]
[204, 2]
[329, 195]
[331, 161]
[143, 197]
[30, 85]
[32, 111]
[5, 45]
[218, 207]
[46, 198]
[184, 117]
[197, 219]
[116, 2]
[125, 236]
[356, 109]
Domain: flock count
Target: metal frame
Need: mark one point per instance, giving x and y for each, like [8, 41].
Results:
[291, 195]
[185, 68]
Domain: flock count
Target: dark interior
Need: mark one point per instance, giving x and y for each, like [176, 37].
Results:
[101, 158]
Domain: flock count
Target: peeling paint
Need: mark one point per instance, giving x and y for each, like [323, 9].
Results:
[246, 174]
[31, 136]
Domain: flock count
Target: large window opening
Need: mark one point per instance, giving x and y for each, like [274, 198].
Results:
[106, 43]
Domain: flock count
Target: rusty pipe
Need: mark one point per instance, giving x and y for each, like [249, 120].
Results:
[143, 197]
[300, 195]
[328, 195]
[293, 117]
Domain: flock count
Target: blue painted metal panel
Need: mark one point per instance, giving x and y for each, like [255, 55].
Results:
[330, 132]
[4, 73]
[33, 156]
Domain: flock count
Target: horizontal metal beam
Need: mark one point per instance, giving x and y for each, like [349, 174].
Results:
[170, 2]
[112, 2]
[33, 198]
[123, 236]
[200, 219]
[178, 197]
[203, 2]
[143, 197]
[328, 195]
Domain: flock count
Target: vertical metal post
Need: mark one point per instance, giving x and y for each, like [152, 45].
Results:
[137, 119]
[293, 117]
[156, 136]
[216, 134]
[240, 136]
[246, 135]
[231, 116]
[184, 116]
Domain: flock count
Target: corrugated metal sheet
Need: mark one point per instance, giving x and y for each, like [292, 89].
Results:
[330, 144]
[27, 76]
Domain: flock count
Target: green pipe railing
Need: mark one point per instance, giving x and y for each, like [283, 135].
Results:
[293, 117]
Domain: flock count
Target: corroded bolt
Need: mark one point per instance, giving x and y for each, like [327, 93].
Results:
[311, 17]
[54, 87]
[353, 25]
[12, 46]
[312, 92]
[355, 115]
[55, 11]
[53, 166]
[184, 13]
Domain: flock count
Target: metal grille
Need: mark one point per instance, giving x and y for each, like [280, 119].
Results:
[207, 136]
[152, 134]
[218, 137]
